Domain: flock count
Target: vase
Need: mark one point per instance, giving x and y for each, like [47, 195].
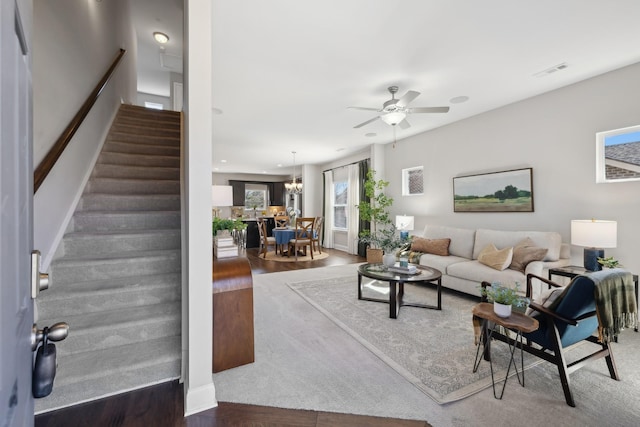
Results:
[389, 259]
[502, 310]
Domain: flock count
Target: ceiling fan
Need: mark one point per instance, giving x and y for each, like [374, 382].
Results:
[395, 111]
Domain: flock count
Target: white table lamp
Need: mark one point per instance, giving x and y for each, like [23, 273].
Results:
[594, 235]
[221, 196]
[404, 223]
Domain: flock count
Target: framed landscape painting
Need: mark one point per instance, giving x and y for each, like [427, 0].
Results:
[506, 191]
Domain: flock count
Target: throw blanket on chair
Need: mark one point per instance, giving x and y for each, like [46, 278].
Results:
[615, 302]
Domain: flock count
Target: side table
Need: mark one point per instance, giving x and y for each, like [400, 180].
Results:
[517, 322]
[572, 271]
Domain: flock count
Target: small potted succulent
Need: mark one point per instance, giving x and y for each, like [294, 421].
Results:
[504, 297]
[609, 262]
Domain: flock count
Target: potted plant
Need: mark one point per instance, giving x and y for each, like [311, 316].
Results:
[609, 262]
[504, 297]
[374, 210]
[219, 224]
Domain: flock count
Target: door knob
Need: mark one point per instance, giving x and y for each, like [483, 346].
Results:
[57, 332]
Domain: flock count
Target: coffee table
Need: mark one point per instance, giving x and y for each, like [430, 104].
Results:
[396, 282]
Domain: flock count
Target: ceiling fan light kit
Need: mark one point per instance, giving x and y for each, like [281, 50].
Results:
[395, 111]
[394, 117]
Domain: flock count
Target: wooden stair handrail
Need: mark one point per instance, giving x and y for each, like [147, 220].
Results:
[61, 143]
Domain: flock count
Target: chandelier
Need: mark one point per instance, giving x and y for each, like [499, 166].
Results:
[293, 187]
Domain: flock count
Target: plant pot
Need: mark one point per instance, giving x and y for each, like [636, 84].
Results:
[502, 310]
[389, 259]
[374, 255]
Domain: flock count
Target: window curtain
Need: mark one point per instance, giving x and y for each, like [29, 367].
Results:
[328, 209]
[363, 170]
[353, 214]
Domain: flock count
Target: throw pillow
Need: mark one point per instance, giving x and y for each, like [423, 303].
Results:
[431, 246]
[526, 252]
[548, 299]
[496, 258]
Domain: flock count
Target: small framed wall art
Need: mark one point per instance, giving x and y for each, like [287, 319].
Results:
[506, 191]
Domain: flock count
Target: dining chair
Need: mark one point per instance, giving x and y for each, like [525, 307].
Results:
[265, 241]
[317, 233]
[303, 236]
[281, 221]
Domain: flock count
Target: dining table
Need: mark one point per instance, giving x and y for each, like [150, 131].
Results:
[283, 235]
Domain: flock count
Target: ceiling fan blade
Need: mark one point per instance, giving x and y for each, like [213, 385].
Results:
[404, 124]
[364, 108]
[428, 110]
[367, 122]
[407, 98]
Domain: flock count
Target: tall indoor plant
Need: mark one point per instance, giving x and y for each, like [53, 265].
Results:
[382, 232]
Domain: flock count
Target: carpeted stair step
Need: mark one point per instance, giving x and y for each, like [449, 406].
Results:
[71, 299]
[142, 139]
[133, 148]
[161, 122]
[127, 220]
[124, 202]
[91, 375]
[139, 160]
[76, 244]
[113, 328]
[105, 170]
[133, 186]
[72, 270]
[153, 130]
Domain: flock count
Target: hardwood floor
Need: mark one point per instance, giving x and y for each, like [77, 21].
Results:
[162, 404]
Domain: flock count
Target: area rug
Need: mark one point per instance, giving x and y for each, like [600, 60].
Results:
[432, 349]
[271, 256]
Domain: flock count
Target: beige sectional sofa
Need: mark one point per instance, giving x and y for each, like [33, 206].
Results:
[462, 271]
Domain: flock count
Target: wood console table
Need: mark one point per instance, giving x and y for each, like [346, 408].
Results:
[232, 289]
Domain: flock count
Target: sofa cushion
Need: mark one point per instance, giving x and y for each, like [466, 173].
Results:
[462, 239]
[496, 258]
[431, 246]
[526, 252]
[477, 272]
[545, 239]
[441, 263]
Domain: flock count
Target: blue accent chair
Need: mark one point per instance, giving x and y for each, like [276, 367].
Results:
[570, 318]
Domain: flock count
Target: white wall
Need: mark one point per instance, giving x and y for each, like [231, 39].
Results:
[553, 133]
[74, 43]
[199, 391]
[149, 97]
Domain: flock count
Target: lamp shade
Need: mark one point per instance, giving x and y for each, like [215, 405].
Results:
[221, 195]
[594, 233]
[404, 222]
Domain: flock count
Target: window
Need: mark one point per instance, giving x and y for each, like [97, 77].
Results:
[153, 105]
[340, 199]
[255, 197]
[618, 155]
[412, 181]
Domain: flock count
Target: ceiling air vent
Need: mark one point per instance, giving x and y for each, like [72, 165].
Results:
[551, 70]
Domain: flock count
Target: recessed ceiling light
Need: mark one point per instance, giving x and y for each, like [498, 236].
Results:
[279, 165]
[370, 134]
[161, 38]
[223, 161]
[459, 99]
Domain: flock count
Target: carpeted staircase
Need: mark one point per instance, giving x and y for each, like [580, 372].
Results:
[116, 279]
